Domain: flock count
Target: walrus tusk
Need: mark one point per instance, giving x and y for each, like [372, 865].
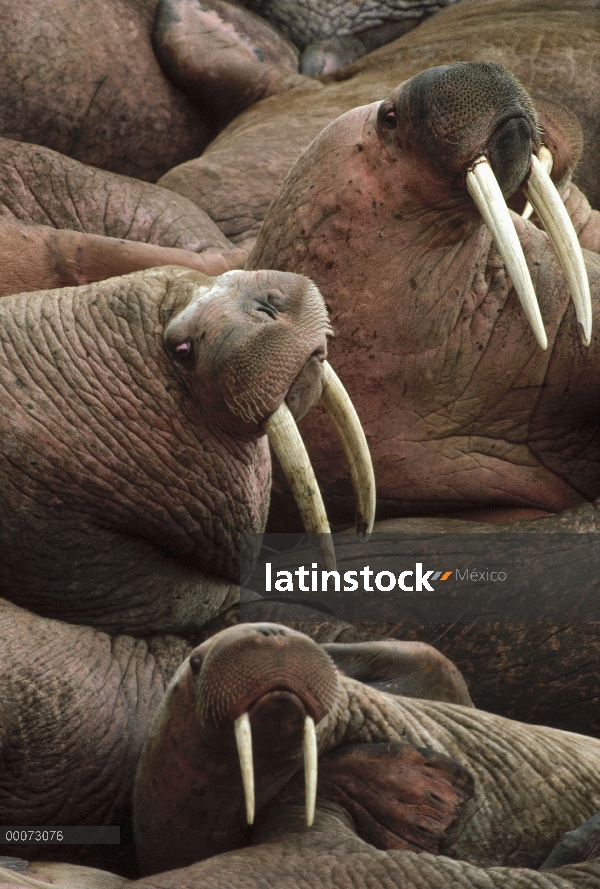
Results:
[553, 215]
[336, 402]
[287, 443]
[243, 739]
[485, 191]
[310, 768]
[548, 161]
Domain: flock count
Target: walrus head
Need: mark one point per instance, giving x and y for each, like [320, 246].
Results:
[471, 129]
[250, 699]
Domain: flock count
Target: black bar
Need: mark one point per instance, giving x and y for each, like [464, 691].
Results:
[521, 576]
[64, 836]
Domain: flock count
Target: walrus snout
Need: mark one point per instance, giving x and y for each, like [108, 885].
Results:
[472, 127]
[243, 663]
[265, 672]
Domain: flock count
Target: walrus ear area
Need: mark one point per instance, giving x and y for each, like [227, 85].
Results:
[400, 796]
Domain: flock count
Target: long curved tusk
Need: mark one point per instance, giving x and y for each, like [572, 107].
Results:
[243, 739]
[547, 160]
[490, 202]
[548, 205]
[310, 768]
[336, 402]
[287, 443]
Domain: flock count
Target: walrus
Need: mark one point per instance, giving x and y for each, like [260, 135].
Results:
[256, 702]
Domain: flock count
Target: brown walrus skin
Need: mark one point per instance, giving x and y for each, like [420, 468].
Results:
[238, 175]
[84, 79]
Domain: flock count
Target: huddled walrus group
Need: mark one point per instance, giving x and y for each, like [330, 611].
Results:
[230, 229]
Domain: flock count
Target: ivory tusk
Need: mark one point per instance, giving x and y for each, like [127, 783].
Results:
[243, 739]
[547, 160]
[485, 191]
[336, 402]
[553, 215]
[287, 443]
[310, 768]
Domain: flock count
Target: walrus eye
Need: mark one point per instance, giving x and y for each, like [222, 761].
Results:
[195, 663]
[387, 117]
[183, 352]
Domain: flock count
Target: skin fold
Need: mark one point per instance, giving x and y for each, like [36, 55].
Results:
[308, 22]
[108, 225]
[219, 50]
[41, 186]
[127, 476]
[38, 257]
[336, 858]
[76, 708]
[238, 175]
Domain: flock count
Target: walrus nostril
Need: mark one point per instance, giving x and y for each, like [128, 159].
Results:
[271, 631]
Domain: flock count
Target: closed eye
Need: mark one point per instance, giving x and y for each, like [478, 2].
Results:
[263, 305]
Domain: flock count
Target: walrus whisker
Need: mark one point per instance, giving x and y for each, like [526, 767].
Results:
[552, 212]
[310, 768]
[545, 157]
[243, 739]
[485, 191]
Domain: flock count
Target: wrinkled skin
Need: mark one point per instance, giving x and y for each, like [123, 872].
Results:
[126, 476]
[76, 708]
[77, 705]
[38, 257]
[333, 856]
[108, 225]
[530, 783]
[237, 177]
[460, 406]
[309, 21]
[464, 413]
[333, 35]
[42, 186]
[84, 80]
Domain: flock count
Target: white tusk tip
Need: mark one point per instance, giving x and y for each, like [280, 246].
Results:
[586, 338]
